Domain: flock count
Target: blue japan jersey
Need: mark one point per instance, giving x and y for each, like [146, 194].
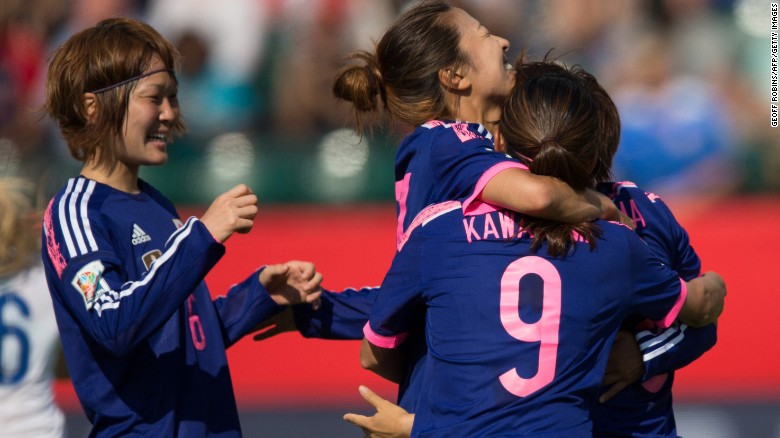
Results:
[517, 340]
[443, 161]
[143, 339]
[644, 409]
[439, 161]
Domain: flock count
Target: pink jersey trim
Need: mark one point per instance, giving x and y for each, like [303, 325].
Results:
[428, 213]
[655, 383]
[672, 315]
[469, 207]
[401, 193]
[383, 341]
[52, 247]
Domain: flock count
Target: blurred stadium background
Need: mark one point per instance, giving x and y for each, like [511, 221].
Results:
[690, 77]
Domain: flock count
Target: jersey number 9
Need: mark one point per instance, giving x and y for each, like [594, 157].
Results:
[545, 330]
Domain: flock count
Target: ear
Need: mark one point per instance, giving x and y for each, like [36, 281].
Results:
[453, 79]
[90, 105]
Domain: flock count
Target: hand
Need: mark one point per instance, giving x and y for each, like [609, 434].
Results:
[624, 367]
[293, 282]
[625, 220]
[279, 323]
[719, 292]
[232, 211]
[390, 420]
[610, 212]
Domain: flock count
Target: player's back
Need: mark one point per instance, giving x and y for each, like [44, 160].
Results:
[518, 340]
[28, 352]
[441, 161]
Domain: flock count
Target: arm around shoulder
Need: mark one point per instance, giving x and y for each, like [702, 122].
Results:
[542, 196]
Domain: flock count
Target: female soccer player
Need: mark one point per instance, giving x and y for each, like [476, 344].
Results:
[521, 312]
[444, 75]
[644, 408]
[143, 339]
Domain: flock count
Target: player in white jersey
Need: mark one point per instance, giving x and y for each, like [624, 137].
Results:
[29, 340]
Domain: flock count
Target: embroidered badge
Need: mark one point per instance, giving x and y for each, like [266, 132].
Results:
[89, 282]
[150, 257]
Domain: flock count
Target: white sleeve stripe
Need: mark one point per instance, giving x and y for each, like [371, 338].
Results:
[85, 218]
[74, 224]
[653, 338]
[181, 230]
[184, 232]
[64, 219]
[666, 347]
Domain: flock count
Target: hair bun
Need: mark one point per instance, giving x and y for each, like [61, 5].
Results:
[373, 83]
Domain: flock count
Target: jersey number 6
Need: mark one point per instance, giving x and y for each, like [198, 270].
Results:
[544, 330]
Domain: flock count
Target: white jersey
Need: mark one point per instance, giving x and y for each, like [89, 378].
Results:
[29, 343]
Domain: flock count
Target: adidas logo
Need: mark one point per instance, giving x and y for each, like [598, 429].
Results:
[139, 236]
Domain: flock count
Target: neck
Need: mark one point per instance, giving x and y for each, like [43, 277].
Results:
[486, 114]
[122, 177]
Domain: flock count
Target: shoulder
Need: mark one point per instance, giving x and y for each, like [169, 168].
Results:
[628, 190]
[157, 196]
[456, 132]
[431, 213]
[617, 236]
[78, 199]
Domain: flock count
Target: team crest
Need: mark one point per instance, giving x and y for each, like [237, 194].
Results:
[90, 283]
[150, 257]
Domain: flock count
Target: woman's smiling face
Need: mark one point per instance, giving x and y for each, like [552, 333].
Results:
[491, 75]
[151, 111]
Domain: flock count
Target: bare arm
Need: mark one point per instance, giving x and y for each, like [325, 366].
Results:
[704, 302]
[385, 362]
[546, 197]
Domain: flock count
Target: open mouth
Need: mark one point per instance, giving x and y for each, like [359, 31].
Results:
[158, 137]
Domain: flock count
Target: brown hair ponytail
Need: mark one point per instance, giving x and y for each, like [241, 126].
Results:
[551, 121]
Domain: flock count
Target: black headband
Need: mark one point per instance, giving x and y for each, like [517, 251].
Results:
[134, 78]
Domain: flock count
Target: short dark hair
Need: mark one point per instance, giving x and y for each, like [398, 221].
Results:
[112, 51]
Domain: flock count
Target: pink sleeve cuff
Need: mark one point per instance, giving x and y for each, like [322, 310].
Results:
[472, 208]
[383, 341]
[672, 315]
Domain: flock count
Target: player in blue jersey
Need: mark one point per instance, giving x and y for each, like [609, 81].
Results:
[644, 408]
[438, 71]
[520, 312]
[341, 315]
[143, 339]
